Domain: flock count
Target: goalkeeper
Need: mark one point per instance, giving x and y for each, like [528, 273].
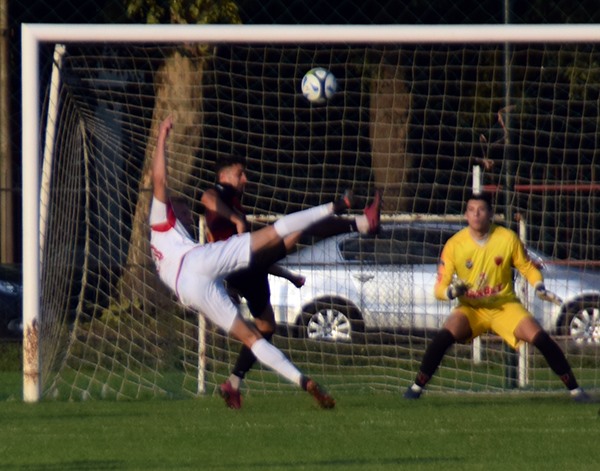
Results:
[476, 268]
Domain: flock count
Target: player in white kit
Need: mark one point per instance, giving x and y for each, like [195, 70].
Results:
[195, 272]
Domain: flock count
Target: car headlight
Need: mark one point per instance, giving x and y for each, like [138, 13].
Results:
[7, 287]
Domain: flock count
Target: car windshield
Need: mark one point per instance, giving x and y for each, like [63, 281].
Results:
[396, 246]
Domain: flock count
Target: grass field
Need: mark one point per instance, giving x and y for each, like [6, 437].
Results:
[288, 432]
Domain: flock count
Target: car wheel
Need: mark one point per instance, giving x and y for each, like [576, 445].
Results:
[582, 323]
[333, 320]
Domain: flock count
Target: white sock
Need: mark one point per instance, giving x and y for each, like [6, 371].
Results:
[302, 219]
[362, 223]
[270, 356]
[235, 381]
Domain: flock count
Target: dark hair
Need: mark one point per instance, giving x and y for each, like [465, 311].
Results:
[485, 197]
[228, 161]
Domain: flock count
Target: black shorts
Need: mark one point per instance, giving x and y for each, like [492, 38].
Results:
[252, 284]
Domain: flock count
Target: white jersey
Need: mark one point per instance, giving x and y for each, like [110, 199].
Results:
[169, 242]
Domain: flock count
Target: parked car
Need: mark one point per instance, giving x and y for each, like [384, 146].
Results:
[11, 301]
[357, 283]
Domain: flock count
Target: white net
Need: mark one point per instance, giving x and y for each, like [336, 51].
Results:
[411, 119]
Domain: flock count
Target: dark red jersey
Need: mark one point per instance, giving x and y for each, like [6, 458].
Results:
[220, 228]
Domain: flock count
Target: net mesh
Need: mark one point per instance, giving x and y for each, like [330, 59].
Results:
[412, 120]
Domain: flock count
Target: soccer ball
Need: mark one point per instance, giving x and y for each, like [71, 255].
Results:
[318, 85]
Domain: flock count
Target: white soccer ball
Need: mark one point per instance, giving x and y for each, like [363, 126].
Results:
[318, 85]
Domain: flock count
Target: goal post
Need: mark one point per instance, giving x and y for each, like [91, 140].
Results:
[96, 322]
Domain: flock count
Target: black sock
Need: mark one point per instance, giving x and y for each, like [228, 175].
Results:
[246, 359]
[436, 350]
[331, 226]
[344, 203]
[556, 358]
[264, 258]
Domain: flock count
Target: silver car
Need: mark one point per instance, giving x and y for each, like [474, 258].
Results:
[357, 283]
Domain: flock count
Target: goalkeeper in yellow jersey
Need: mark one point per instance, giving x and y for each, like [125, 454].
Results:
[476, 268]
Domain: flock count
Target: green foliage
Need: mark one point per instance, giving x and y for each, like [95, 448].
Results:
[583, 75]
[11, 356]
[183, 11]
[119, 311]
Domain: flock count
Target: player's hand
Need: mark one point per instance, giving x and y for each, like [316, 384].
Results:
[298, 281]
[545, 295]
[240, 223]
[165, 126]
[457, 288]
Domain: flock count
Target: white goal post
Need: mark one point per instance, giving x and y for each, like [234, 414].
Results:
[34, 36]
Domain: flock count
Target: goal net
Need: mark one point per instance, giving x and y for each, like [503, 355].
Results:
[417, 109]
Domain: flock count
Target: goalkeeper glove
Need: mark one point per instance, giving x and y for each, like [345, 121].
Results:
[457, 288]
[545, 295]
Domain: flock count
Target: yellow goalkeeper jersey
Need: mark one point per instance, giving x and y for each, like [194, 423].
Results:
[487, 268]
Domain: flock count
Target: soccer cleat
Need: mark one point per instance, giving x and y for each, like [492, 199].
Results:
[322, 397]
[581, 397]
[232, 396]
[410, 393]
[344, 203]
[373, 213]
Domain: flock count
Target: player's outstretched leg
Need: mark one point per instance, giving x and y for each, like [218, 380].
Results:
[269, 236]
[366, 223]
[322, 397]
[582, 397]
[432, 358]
[272, 357]
[231, 395]
[559, 364]
[297, 222]
[231, 389]
[373, 213]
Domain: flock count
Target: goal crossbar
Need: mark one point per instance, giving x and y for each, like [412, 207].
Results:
[552, 33]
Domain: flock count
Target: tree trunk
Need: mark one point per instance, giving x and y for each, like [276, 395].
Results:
[389, 127]
[6, 187]
[178, 93]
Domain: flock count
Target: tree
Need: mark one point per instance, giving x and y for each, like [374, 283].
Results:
[177, 94]
[6, 194]
[389, 133]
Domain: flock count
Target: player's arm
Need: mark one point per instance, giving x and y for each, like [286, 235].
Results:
[159, 161]
[294, 278]
[534, 276]
[523, 263]
[447, 286]
[212, 202]
[445, 271]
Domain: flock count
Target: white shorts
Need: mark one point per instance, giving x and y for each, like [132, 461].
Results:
[200, 282]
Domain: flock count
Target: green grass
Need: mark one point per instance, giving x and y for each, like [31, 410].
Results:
[288, 432]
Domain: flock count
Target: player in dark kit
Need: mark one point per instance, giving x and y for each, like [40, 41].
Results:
[225, 217]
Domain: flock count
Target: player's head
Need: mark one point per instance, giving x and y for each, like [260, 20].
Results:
[483, 197]
[231, 170]
[479, 211]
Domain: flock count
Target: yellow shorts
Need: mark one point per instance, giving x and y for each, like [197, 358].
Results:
[502, 320]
